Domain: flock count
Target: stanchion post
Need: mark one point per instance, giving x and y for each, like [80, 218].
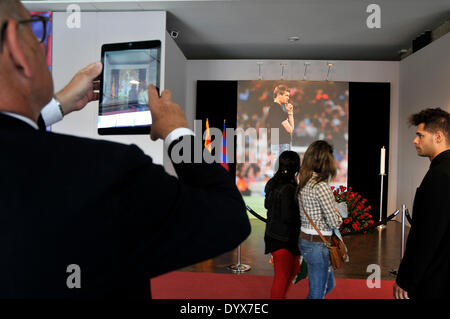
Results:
[380, 227]
[239, 255]
[382, 174]
[403, 230]
[238, 268]
[402, 249]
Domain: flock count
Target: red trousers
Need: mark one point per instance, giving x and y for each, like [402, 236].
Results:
[286, 267]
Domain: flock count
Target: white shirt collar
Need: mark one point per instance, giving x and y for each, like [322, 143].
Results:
[22, 118]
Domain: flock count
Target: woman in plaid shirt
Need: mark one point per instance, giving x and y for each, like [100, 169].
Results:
[318, 167]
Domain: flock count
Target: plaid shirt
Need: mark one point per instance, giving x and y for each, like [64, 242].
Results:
[319, 203]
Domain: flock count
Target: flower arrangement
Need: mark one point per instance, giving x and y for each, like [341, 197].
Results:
[359, 217]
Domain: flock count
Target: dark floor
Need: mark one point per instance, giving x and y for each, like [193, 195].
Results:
[382, 247]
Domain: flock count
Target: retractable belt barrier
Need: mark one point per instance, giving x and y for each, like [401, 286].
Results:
[384, 221]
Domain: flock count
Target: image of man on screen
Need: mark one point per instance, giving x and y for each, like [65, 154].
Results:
[143, 97]
[133, 95]
[281, 117]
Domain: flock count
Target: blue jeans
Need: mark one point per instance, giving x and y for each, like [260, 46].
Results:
[276, 150]
[320, 271]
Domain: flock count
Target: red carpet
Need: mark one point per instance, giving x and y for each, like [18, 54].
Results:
[198, 285]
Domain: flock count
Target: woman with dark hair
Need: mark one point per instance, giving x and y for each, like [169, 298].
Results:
[316, 199]
[283, 223]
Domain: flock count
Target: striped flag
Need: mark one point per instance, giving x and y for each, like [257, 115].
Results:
[208, 137]
[224, 147]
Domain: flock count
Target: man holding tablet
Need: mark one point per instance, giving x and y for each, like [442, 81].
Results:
[83, 218]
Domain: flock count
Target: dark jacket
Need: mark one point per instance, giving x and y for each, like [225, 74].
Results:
[425, 269]
[107, 208]
[283, 218]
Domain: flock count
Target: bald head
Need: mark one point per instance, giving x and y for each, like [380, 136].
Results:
[10, 9]
[24, 76]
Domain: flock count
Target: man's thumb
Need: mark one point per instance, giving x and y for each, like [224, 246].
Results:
[94, 69]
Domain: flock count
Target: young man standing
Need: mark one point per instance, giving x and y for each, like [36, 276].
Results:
[424, 270]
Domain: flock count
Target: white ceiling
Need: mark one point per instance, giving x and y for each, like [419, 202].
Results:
[259, 29]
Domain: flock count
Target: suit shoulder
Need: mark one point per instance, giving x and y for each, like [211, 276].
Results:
[445, 167]
[441, 171]
[101, 150]
[76, 141]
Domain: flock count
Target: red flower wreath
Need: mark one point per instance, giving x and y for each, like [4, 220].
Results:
[359, 216]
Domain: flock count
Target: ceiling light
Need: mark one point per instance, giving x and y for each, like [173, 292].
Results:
[174, 34]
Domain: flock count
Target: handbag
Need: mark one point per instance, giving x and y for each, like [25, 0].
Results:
[336, 248]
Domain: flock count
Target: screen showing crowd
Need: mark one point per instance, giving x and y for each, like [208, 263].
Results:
[320, 112]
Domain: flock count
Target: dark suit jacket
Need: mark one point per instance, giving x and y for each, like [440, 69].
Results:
[425, 269]
[108, 209]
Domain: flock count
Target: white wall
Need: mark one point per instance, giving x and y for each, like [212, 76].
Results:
[424, 82]
[176, 77]
[76, 48]
[417, 82]
[356, 71]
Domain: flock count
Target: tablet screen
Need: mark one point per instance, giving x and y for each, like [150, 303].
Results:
[128, 69]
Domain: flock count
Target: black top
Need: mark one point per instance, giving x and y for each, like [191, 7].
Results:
[274, 119]
[107, 208]
[283, 219]
[424, 271]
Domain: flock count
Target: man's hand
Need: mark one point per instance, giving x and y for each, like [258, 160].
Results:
[399, 293]
[80, 90]
[289, 123]
[289, 107]
[166, 115]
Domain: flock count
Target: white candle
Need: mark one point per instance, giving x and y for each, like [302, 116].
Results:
[383, 159]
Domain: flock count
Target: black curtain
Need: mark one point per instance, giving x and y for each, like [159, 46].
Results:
[369, 110]
[217, 101]
[368, 131]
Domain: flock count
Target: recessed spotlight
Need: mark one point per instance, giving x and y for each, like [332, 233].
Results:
[174, 34]
[293, 39]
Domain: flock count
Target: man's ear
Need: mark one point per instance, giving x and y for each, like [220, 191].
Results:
[439, 137]
[15, 49]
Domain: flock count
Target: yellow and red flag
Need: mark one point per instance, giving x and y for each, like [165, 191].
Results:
[208, 137]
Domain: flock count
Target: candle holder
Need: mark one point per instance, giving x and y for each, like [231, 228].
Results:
[382, 174]
[381, 226]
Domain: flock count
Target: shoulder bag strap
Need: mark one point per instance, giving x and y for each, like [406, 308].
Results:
[312, 223]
